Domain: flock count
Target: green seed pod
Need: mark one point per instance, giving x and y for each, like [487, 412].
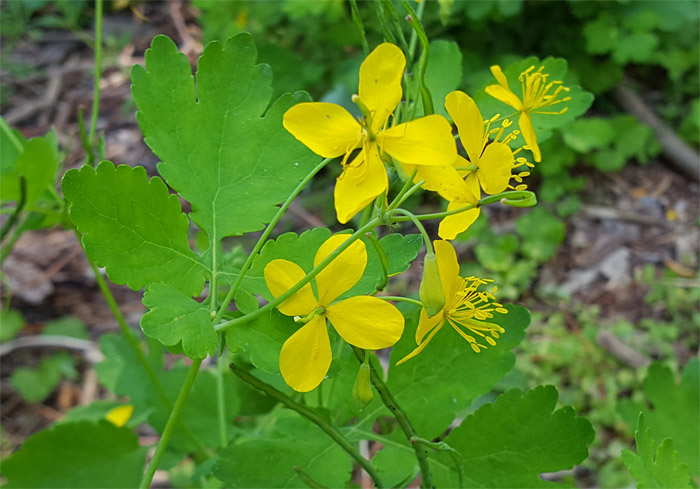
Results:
[362, 390]
[431, 294]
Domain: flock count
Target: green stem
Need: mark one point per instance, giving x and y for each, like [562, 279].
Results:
[400, 299]
[307, 479]
[412, 217]
[315, 271]
[312, 416]
[140, 356]
[436, 215]
[11, 135]
[355, 12]
[514, 198]
[98, 76]
[20, 206]
[404, 189]
[220, 392]
[389, 7]
[414, 20]
[263, 238]
[441, 446]
[170, 425]
[382, 259]
[402, 419]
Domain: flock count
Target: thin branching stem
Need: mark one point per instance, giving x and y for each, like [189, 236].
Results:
[312, 416]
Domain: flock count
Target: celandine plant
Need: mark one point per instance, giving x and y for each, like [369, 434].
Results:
[285, 394]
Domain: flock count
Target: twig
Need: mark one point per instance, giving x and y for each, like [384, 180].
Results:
[674, 148]
[620, 350]
[88, 348]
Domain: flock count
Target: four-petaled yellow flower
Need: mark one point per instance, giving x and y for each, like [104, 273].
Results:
[330, 131]
[489, 166]
[363, 321]
[466, 308]
[537, 95]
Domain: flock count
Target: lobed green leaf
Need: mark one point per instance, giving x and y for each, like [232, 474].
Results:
[220, 148]
[133, 227]
[77, 455]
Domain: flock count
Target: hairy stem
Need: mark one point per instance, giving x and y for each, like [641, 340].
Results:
[402, 419]
[170, 425]
[312, 416]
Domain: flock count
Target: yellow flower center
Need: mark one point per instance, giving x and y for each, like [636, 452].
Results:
[470, 307]
[539, 93]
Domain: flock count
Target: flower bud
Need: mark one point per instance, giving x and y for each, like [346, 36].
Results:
[431, 294]
[362, 390]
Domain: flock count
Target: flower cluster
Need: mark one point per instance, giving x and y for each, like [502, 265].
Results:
[425, 149]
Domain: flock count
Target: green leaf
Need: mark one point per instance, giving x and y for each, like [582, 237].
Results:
[655, 470]
[133, 227]
[262, 339]
[67, 326]
[77, 455]
[446, 377]
[36, 384]
[11, 321]
[268, 459]
[444, 72]
[584, 135]
[220, 149]
[175, 318]
[636, 47]
[542, 234]
[37, 162]
[674, 411]
[511, 442]
[301, 249]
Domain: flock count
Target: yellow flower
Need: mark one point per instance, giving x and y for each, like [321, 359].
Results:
[466, 308]
[537, 95]
[330, 131]
[119, 415]
[489, 166]
[366, 322]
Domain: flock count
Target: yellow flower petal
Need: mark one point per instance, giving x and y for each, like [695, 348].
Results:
[282, 275]
[446, 181]
[421, 346]
[366, 322]
[360, 183]
[499, 76]
[495, 168]
[119, 415]
[380, 82]
[326, 129]
[528, 132]
[470, 124]
[306, 356]
[426, 324]
[449, 268]
[424, 141]
[504, 95]
[343, 272]
[451, 226]
[472, 182]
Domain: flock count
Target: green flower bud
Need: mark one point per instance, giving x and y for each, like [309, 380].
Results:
[362, 390]
[431, 294]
